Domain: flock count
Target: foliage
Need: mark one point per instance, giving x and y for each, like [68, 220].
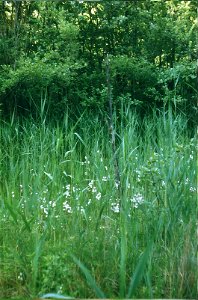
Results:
[35, 79]
[58, 49]
[68, 226]
[59, 197]
[136, 77]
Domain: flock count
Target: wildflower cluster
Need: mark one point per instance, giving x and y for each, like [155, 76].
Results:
[137, 200]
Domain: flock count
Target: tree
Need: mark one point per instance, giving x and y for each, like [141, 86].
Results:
[59, 47]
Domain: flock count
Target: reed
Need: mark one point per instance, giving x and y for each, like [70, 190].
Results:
[63, 230]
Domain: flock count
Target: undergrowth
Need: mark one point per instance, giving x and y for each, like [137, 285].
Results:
[68, 227]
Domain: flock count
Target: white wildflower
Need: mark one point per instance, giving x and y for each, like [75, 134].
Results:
[89, 202]
[117, 183]
[20, 276]
[90, 184]
[86, 160]
[45, 210]
[98, 196]
[94, 189]
[104, 178]
[52, 203]
[66, 194]
[137, 200]
[68, 187]
[81, 209]
[115, 207]
[67, 207]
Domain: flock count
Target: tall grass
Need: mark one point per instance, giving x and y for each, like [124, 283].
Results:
[66, 227]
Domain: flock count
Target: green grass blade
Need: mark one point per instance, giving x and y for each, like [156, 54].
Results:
[139, 271]
[123, 254]
[90, 280]
[11, 211]
[79, 137]
[35, 262]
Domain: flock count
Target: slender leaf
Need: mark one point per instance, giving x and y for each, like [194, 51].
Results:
[90, 279]
[139, 271]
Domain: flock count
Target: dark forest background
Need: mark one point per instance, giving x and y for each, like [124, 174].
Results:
[53, 56]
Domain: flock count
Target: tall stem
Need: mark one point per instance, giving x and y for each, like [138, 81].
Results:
[111, 124]
[123, 220]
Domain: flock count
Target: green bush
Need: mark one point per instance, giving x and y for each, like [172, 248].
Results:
[22, 90]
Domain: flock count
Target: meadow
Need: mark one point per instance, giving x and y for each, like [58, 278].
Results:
[69, 227]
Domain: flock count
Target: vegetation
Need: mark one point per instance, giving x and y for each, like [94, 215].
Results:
[98, 149]
[59, 198]
[58, 49]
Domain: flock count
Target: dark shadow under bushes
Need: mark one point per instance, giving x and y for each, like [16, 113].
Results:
[38, 89]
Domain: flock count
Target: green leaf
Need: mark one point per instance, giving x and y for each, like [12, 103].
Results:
[90, 279]
[139, 271]
[80, 138]
[11, 211]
